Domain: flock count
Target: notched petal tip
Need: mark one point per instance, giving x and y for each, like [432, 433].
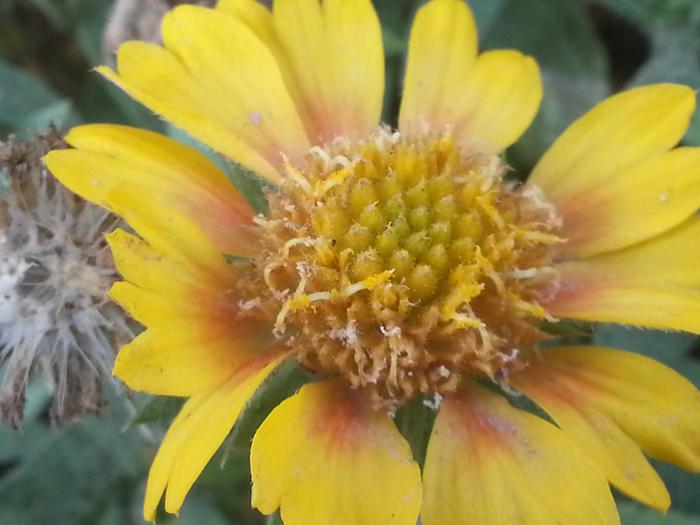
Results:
[324, 456]
[197, 432]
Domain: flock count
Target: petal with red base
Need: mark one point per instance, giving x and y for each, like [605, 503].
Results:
[611, 176]
[490, 463]
[490, 99]
[654, 284]
[177, 285]
[218, 81]
[335, 57]
[324, 456]
[197, 432]
[173, 176]
[657, 408]
[331, 57]
[559, 385]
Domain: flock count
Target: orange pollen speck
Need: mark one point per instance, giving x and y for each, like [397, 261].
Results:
[404, 264]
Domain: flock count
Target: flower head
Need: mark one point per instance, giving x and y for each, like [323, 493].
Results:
[397, 263]
[403, 264]
[55, 271]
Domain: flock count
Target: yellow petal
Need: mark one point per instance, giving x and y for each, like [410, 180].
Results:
[490, 463]
[617, 135]
[194, 338]
[169, 306]
[336, 60]
[173, 360]
[356, 51]
[654, 284]
[256, 16]
[171, 174]
[196, 434]
[191, 343]
[326, 457]
[179, 282]
[225, 56]
[152, 269]
[491, 99]
[654, 405]
[632, 205]
[499, 101]
[217, 80]
[143, 67]
[557, 388]
[259, 19]
[441, 54]
[332, 60]
[178, 288]
[172, 235]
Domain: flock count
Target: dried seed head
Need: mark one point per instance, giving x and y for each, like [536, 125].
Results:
[404, 264]
[55, 270]
[138, 20]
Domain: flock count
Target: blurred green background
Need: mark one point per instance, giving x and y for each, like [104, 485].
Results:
[94, 473]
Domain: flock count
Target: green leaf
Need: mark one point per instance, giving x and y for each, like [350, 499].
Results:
[395, 17]
[27, 104]
[114, 514]
[103, 102]
[250, 185]
[675, 57]
[185, 138]
[568, 331]
[282, 383]
[53, 11]
[227, 481]
[17, 446]
[683, 487]
[415, 421]
[89, 18]
[274, 519]
[70, 476]
[8, 5]
[674, 349]
[634, 514]
[197, 510]
[487, 13]
[156, 408]
[652, 11]
[84, 19]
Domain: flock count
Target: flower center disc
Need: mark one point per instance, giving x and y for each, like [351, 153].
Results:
[403, 264]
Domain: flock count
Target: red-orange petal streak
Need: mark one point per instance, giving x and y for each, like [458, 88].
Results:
[561, 390]
[326, 457]
[169, 174]
[654, 284]
[490, 463]
[654, 405]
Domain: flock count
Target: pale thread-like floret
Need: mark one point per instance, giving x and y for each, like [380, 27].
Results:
[404, 264]
[55, 271]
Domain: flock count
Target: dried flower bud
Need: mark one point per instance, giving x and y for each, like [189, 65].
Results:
[55, 270]
[138, 20]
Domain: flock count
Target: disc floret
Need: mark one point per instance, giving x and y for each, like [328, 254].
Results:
[404, 263]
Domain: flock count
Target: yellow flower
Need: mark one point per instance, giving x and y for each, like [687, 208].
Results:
[397, 263]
